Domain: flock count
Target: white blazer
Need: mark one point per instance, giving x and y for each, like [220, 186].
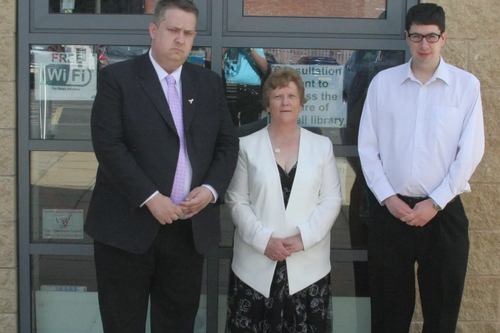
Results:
[255, 200]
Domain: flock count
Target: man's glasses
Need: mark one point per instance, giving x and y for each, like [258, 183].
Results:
[417, 38]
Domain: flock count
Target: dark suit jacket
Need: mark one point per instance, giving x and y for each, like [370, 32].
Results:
[136, 145]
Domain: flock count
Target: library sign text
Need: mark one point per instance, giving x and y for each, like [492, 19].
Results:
[323, 89]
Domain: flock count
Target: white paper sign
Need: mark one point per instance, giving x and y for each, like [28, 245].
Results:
[323, 89]
[63, 223]
[65, 76]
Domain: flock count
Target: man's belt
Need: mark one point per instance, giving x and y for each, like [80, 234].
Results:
[412, 201]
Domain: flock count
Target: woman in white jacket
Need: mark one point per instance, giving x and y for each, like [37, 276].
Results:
[284, 198]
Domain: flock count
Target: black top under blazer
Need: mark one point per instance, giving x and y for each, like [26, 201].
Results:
[137, 146]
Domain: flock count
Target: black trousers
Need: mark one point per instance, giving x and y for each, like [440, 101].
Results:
[169, 273]
[244, 103]
[440, 248]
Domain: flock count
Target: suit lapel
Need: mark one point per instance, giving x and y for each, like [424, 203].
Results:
[189, 95]
[152, 87]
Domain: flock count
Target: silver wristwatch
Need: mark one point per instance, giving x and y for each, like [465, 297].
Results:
[436, 205]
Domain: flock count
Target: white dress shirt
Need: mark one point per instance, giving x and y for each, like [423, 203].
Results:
[421, 140]
[162, 77]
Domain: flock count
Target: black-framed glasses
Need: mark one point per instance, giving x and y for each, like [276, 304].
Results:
[417, 38]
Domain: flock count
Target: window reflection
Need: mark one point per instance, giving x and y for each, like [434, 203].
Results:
[63, 82]
[112, 54]
[360, 69]
[102, 6]
[65, 295]
[335, 81]
[63, 85]
[244, 71]
[63, 273]
[61, 187]
[316, 8]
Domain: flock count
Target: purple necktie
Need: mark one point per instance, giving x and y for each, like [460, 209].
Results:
[174, 102]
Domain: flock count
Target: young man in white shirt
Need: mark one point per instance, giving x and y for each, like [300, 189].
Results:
[421, 137]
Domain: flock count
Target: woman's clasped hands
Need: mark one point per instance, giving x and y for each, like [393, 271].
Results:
[279, 249]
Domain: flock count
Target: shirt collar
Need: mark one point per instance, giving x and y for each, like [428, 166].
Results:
[441, 72]
[162, 74]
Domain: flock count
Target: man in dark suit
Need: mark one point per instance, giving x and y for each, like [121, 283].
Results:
[167, 150]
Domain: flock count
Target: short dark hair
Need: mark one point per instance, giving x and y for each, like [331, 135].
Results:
[163, 5]
[280, 78]
[426, 14]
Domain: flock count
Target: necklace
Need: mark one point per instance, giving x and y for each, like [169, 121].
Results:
[276, 150]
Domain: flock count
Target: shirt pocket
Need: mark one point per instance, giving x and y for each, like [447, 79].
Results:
[446, 121]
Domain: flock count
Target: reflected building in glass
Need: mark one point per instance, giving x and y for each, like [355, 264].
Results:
[319, 8]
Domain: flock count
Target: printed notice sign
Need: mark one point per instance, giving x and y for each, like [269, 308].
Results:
[63, 223]
[67, 6]
[323, 90]
[65, 76]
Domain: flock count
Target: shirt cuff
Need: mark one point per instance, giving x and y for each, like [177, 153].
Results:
[151, 197]
[442, 196]
[214, 192]
[383, 192]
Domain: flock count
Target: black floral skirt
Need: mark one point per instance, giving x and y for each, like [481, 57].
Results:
[307, 311]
